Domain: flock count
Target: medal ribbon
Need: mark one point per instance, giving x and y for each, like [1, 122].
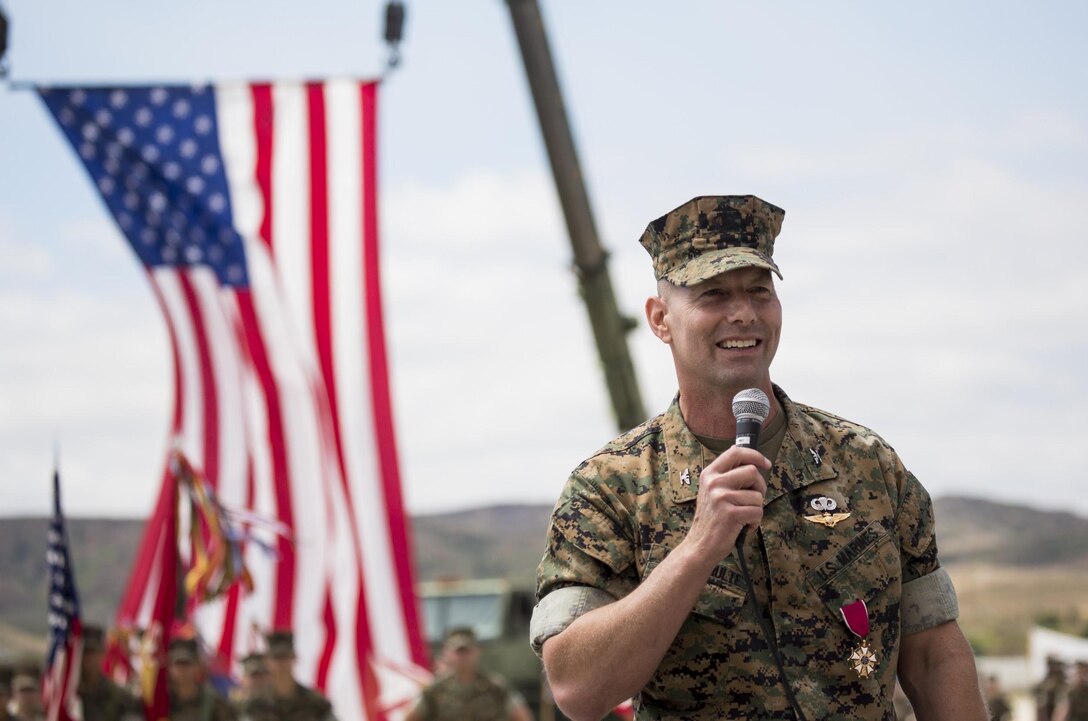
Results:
[856, 615]
[863, 660]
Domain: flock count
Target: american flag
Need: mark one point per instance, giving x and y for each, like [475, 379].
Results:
[62, 662]
[253, 209]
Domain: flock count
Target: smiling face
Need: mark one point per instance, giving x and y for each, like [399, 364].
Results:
[723, 332]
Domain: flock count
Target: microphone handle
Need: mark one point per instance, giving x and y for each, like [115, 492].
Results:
[748, 436]
[748, 432]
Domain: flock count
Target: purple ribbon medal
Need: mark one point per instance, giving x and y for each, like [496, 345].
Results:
[862, 659]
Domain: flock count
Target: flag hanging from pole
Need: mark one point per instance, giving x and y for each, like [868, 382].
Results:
[65, 652]
[253, 208]
[155, 587]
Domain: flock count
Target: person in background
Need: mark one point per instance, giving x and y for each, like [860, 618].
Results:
[26, 704]
[191, 699]
[1050, 689]
[464, 692]
[5, 693]
[996, 701]
[287, 700]
[1074, 704]
[102, 699]
[255, 682]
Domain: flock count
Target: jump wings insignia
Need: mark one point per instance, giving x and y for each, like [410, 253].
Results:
[826, 516]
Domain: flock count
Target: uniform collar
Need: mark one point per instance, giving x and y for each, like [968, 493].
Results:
[802, 459]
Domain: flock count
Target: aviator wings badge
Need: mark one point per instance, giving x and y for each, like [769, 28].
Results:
[826, 515]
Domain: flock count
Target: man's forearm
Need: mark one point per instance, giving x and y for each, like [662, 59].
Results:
[937, 670]
[606, 656]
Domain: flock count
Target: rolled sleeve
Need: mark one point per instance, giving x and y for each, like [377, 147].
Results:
[928, 601]
[560, 608]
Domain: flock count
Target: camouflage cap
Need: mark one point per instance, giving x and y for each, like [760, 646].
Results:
[22, 682]
[460, 637]
[281, 643]
[711, 235]
[183, 650]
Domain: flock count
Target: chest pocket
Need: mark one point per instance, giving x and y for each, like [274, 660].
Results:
[866, 567]
[723, 594]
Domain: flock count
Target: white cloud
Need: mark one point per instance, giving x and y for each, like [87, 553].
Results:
[21, 260]
[494, 371]
[97, 238]
[91, 376]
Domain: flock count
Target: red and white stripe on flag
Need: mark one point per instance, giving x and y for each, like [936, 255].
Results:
[281, 383]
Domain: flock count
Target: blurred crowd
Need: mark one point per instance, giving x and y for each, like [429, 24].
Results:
[265, 691]
[1062, 695]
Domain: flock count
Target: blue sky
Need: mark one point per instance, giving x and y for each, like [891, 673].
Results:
[932, 160]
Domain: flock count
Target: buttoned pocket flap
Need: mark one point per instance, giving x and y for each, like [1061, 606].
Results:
[724, 593]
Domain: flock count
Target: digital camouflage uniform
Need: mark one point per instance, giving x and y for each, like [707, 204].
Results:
[5, 692]
[1049, 691]
[104, 700]
[1077, 700]
[628, 506]
[206, 706]
[486, 698]
[305, 705]
[999, 708]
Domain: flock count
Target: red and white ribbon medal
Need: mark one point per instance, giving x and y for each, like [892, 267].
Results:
[862, 659]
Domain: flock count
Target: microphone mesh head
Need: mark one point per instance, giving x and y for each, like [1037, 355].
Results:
[751, 403]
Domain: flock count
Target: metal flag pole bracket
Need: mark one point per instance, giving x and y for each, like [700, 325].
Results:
[3, 42]
[394, 32]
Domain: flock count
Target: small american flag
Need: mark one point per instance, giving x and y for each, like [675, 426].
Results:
[253, 209]
[65, 626]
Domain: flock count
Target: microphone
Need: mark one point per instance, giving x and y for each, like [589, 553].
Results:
[750, 407]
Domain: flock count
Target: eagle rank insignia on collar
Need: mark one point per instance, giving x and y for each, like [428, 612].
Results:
[826, 515]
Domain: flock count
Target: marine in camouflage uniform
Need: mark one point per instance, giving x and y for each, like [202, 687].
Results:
[303, 705]
[996, 701]
[255, 681]
[287, 699]
[1050, 689]
[1074, 707]
[464, 692]
[102, 699]
[26, 704]
[191, 699]
[5, 693]
[840, 519]
[206, 705]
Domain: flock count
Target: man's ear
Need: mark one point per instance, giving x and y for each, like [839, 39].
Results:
[657, 311]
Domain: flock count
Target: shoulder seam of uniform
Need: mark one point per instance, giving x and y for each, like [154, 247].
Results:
[633, 436]
[819, 414]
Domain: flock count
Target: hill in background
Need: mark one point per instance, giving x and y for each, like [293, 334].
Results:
[972, 530]
[1011, 565]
